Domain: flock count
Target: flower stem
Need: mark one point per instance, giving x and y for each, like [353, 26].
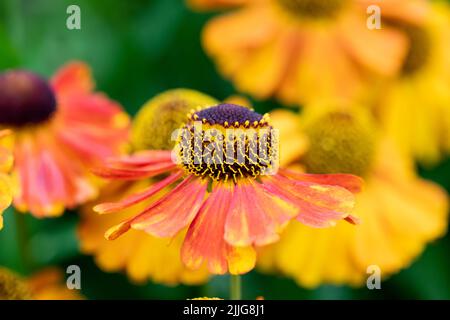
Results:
[22, 240]
[235, 287]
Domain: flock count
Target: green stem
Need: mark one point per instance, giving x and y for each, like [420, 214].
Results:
[22, 240]
[235, 287]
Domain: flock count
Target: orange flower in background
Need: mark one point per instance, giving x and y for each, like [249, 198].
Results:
[6, 162]
[304, 50]
[228, 207]
[415, 107]
[47, 284]
[400, 212]
[61, 129]
[142, 255]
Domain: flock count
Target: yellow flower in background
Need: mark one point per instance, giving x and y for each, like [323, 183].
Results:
[400, 212]
[6, 162]
[47, 284]
[415, 108]
[159, 117]
[61, 129]
[303, 50]
[141, 255]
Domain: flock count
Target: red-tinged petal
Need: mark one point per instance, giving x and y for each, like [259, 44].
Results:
[140, 159]
[89, 108]
[74, 77]
[255, 216]
[116, 231]
[204, 240]
[167, 216]
[348, 181]
[135, 174]
[320, 205]
[138, 197]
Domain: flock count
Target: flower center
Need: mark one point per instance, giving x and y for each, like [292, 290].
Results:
[340, 142]
[158, 118]
[12, 287]
[25, 98]
[227, 142]
[419, 51]
[314, 9]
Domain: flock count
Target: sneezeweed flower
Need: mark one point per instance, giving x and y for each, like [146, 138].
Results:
[159, 117]
[303, 50]
[142, 255]
[12, 287]
[415, 107]
[47, 284]
[400, 212]
[61, 129]
[6, 162]
[228, 207]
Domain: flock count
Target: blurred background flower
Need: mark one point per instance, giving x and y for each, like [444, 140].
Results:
[400, 213]
[137, 49]
[282, 48]
[62, 129]
[415, 106]
[47, 284]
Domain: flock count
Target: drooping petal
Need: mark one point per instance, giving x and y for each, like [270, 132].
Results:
[74, 77]
[205, 237]
[255, 216]
[319, 205]
[135, 174]
[140, 159]
[205, 241]
[173, 212]
[348, 181]
[137, 197]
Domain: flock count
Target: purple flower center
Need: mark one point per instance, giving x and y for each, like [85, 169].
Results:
[25, 98]
[228, 113]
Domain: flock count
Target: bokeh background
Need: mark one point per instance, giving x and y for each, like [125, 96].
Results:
[137, 49]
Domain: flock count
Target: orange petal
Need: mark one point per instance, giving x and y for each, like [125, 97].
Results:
[204, 239]
[134, 174]
[348, 181]
[365, 45]
[320, 205]
[137, 197]
[255, 217]
[74, 77]
[174, 211]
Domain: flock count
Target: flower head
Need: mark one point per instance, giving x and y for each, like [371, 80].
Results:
[306, 50]
[61, 128]
[229, 201]
[400, 212]
[414, 108]
[141, 255]
[160, 116]
[47, 284]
